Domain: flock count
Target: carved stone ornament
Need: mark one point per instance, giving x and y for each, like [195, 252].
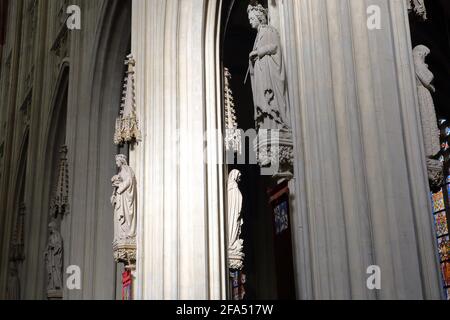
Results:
[127, 126]
[125, 253]
[435, 170]
[235, 221]
[275, 149]
[418, 6]
[124, 203]
[60, 200]
[233, 135]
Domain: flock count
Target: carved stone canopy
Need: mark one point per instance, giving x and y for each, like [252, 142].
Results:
[60, 200]
[127, 125]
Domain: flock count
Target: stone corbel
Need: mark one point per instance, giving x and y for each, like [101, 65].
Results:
[435, 170]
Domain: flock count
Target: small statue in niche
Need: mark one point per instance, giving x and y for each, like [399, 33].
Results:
[267, 73]
[235, 222]
[428, 113]
[124, 201]
[54, 261]
[13, 286]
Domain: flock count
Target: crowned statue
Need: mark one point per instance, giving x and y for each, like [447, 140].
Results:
[274, 145]
[267, 73]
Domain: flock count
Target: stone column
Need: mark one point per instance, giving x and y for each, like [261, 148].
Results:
[181, 252]
[361, 183]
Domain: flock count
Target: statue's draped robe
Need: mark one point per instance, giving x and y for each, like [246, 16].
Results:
[125, 202]
[427, 111]
[13, 289]
[54, 262]
[235, 221]
[269, 81]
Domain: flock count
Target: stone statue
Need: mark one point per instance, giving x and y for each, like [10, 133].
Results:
[267, 73]
[124, 201]
[13, 289]
[54, 261]
[428, 113]
[427, 110]
[235, 222]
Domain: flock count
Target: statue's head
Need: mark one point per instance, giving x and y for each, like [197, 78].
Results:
[52, 227]
[257, 15]
[235, 176]
[421, 52]
[121, 160]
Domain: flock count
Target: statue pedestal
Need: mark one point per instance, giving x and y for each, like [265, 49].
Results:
[125, 252]
[236, 261]
[435, 170]
[275, 150]
[54, 295]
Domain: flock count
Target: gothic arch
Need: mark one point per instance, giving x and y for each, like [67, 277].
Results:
[91, 160]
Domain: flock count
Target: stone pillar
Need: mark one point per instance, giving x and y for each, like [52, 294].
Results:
[362, 196]
[181, 239]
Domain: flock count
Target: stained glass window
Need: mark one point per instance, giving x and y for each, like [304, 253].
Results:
[441, 208]
[281, 218]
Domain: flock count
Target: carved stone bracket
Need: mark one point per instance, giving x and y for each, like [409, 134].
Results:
[275, 149]
[125, 252]
[435, 170]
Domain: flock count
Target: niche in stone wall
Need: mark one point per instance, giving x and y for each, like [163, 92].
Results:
[267, 271]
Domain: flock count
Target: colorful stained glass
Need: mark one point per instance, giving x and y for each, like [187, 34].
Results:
[441, 224]
[438, 201]
[444, 248]
[281, 218]
[448, 191]
[448, 179]
[445, 267]
[444, 146]
[447, 131]
[238, 280]
[126, 286]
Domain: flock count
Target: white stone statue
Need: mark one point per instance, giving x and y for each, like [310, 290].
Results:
[124, 201]
[54, 260]
[235, 222]
[427, 111]
[428, 117]
[267, 73]
[13, 287]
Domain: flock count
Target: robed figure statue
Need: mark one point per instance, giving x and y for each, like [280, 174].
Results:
[267, 73]
[124, 201]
